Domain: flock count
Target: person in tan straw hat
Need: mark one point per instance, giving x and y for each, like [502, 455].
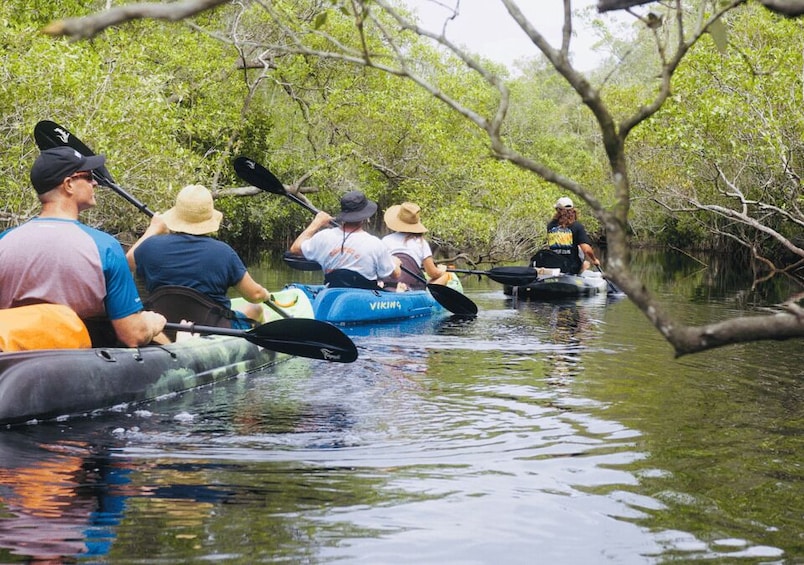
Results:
[178, 249]
[349, 255]
[407, 243]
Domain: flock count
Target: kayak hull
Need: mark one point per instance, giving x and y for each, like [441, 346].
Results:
[55, 383]
[588, 284]
[50, 384]
[346, 306]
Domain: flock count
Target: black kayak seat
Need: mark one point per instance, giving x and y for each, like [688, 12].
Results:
[552, 260]
[346, 278]
[177, 303]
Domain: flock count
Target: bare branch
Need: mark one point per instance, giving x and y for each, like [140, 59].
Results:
[89, 26]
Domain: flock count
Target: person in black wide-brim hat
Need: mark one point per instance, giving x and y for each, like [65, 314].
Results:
[349, 256]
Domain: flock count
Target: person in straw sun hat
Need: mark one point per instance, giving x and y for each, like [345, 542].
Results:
[406, 241]
[178, 249]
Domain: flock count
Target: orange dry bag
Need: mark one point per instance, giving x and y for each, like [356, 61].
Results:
[42, 326]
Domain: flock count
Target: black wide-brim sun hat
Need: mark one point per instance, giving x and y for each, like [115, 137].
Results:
[355, 207]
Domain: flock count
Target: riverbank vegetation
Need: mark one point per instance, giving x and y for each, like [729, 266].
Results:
[687, 135]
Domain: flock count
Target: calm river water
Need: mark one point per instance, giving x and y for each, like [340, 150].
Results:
[541, 432]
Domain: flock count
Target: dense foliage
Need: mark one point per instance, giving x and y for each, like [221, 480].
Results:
[171, 104]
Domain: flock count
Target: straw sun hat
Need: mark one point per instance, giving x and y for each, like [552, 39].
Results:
[194, 212]
[404, 218]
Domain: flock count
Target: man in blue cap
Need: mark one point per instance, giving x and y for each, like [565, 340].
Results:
[54, 258]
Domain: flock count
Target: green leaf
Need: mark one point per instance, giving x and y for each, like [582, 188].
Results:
[320, 19]
[719, 35]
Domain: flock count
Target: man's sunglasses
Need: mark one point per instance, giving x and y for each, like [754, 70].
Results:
[86, 175]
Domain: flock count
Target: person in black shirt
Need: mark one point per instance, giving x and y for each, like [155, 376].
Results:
[567, 237]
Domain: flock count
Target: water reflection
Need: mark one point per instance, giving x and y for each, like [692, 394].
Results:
[555, 432]
[60, 498]
[570, 325]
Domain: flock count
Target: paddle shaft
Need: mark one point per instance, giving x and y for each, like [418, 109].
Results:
[513, 276]
[301, 337]
[613, 288]
[276, 308]
[208, 330]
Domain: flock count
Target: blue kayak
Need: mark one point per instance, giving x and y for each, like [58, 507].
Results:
[346, 306]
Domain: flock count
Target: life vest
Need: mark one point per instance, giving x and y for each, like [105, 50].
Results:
[42, 326]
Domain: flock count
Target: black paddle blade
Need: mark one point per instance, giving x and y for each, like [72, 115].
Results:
[301, 337]
[304, 337]
[453, 300]
[255, 174]
[513, 276]
[300, 263]
[448, 297]
[49, 134]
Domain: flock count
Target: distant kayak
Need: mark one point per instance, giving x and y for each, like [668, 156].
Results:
[552, 282]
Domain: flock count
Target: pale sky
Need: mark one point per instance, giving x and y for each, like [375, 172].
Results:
[485, 27]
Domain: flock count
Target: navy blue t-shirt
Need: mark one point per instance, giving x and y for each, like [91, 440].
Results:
[198, 261]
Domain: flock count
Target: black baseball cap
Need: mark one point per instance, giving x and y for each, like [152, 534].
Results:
[55, 164]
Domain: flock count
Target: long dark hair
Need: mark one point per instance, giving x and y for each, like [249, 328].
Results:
[565, 216]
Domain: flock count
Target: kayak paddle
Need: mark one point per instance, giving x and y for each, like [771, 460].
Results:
[299, 263]
[301, 337]
[257, 175]
[613, 288]
[513, 276]
[49, 134]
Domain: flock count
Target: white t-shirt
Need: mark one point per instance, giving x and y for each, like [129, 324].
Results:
[357, 251]
[416, 246]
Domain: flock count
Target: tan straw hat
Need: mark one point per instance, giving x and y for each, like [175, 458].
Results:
[194, 212]
[404, 218]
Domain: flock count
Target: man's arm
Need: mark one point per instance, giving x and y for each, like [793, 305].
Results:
[140, 329]
[321, 220]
